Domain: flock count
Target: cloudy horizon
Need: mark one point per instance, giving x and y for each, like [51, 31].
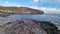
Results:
[48, 6]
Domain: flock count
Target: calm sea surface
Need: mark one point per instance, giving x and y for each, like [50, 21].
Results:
[54, 18]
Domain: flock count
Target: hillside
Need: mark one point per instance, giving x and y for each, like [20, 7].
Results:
[20, 10]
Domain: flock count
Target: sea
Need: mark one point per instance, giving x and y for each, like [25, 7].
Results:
[54, 18]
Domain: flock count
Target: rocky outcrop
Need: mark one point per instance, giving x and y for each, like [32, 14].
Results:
[49, 27]
[27, 26]
[20, 10]
[21, 26]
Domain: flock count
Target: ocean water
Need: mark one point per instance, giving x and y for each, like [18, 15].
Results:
[54, 18]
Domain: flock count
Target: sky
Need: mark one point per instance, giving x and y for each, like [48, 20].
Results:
[48, 6]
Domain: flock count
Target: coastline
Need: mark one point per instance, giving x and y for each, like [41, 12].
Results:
[45, 25]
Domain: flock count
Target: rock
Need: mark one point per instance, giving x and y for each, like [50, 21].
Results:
[28, 26]
[49, 27]
[5, 15]
[22, 26]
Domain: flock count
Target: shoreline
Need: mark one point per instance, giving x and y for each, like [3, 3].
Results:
[47, 25]
[52, 26]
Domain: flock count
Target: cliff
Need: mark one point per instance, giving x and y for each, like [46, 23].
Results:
[20, 10]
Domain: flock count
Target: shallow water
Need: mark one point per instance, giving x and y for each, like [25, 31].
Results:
[54, 18]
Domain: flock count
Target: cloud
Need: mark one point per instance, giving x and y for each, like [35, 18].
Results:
[47, 1]
[9, 4]
[56, 1]
[48, 10]
[50, 1]
[36, 1]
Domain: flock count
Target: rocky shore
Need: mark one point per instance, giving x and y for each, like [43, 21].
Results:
[5, 15]
[10, 25]
[26, 26]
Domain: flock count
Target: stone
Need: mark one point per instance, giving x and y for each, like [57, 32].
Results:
[22, 26]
